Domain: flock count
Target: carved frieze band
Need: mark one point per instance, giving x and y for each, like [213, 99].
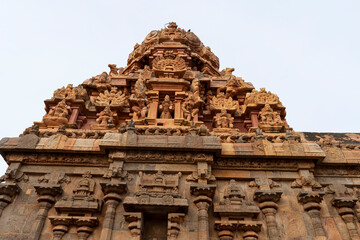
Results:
[162, 156]
[68, 159]
[255, 164]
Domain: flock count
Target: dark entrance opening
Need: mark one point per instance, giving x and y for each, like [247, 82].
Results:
[155, 226]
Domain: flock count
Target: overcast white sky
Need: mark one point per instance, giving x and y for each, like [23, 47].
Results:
[305, 51]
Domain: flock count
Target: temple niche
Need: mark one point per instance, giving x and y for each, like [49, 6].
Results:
[170, 146]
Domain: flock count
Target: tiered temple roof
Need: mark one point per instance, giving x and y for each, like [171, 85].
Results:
[172, 83]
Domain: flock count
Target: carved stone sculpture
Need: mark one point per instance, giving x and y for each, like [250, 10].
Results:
[71, 93]
[169, 66]
[114, 71]
[166, 108]
[235, 207]
[270, 120]
[106, 119]
[223, 119]
[114, 98]
[57, 115]
[139, 100]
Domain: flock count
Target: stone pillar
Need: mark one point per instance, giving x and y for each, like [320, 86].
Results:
[74, 115]
[135, 222]
[254, 119]
[46, 199]
[7, 192]
[179, 97]
[153, 97]
[174, 220]
[345, 206]
[268, 205]
[203, 203]
[112, 198]
[311, 201]
[203, 200]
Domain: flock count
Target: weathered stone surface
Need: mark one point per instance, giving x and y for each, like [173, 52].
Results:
[170, 147]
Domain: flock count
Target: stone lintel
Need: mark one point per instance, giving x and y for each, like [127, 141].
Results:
[237, 211]
[155, 204]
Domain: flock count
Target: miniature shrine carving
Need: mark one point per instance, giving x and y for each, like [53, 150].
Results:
[170, 146]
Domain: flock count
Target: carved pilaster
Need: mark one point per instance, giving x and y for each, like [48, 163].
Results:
[235, 212]
[251, 230]
[311, 201]
[61, 226]
[311, 196]
[174, 220]
[46, 199]
[345, 207]
[203, 200]
[226, 229]
[84, 226]
[268, 205]
[7, 192]
[135, 222]
[112, 191]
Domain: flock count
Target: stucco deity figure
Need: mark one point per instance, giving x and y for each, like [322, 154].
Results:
[223, 119]
[189, 109]
[269, 116]
[57, 115]
[114, 98]
[139, 100]
[166, 108]
[60, 110]
[105, 117]
[270, 120]
[114, 71]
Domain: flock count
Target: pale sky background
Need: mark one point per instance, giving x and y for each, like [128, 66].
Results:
[305, 51]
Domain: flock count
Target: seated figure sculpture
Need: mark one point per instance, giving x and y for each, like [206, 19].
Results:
[57, 115]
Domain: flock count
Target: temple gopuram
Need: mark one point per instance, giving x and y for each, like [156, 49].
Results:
[171, 147]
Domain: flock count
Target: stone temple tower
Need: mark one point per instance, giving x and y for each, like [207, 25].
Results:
[170, 147]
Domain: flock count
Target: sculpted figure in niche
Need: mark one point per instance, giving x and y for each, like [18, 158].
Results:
[57, 115]
[189, 109]
[140, 109]
[139, 100]
[268, 116]
[209, 97]
[60, 110]
[105, 117]
[223, 119]
[166, 108]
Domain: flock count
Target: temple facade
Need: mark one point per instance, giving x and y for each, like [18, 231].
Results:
[170, 147]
